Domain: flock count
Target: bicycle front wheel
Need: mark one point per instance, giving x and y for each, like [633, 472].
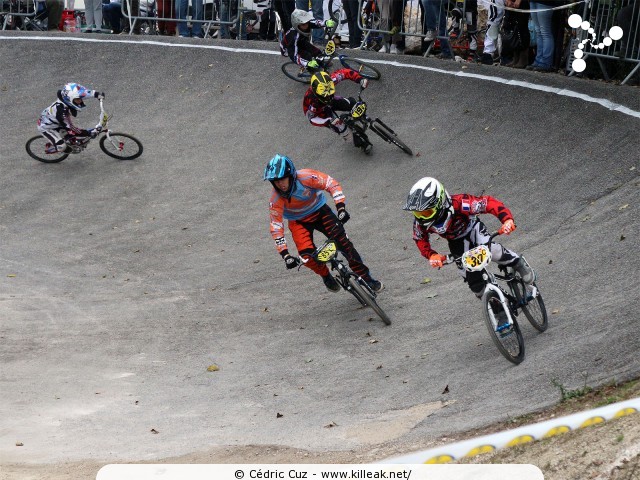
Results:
[364, 69]
[365, 297]
[389, 135]
[509, 340]
[296, 72]
[36, 148]
[531, 304]
[121, 146]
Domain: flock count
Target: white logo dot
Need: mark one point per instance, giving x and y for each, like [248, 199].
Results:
[615, 33]
[578, 65]
[575, 20]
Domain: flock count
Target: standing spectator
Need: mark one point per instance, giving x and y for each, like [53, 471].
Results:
[542, 17]
[435, 24]
[284, 9]
[352, 12]
[628, 19]
[317, 8]
[135, 11]
[93, 14]
[54, 15]
[197, 13]
[112, 14]
[225, 15]
[391, 13]
[496, 12]
[165, 10]
[520, 22]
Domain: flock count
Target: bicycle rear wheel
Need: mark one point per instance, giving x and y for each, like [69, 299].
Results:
[389, 135]
[532, 306]
[36, 149]
[509, 341]
[364, 69]
[364, 296]
[121, 146]
[296, 72]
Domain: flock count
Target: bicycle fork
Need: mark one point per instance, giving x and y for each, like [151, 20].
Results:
[504, 301]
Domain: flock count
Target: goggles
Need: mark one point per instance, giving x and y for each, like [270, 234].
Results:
[428, 214]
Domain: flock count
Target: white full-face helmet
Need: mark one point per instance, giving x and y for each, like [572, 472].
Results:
[300, 17]
[429, 202]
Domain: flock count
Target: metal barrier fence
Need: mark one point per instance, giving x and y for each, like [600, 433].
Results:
[388, 22]
[197, 18]
[602, 15]
[15, 11]
[385, 23]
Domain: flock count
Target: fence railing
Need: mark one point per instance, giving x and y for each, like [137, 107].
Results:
[602, 15]
[383, 22]
[14, 11]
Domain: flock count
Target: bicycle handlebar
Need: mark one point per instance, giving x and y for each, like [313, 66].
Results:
[452, 259]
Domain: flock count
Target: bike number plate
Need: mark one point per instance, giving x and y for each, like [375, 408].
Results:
[476, 259]
[330, 48]
[327, 253]
[358, 109]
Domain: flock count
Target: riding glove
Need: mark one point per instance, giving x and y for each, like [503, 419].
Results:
[436, 260]
[313, 63]
[93, 133]
[291, 262]
[99, 95]
[330, 23]
[343, 215]
[507, 227]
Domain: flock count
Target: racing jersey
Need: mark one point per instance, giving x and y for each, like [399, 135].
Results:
[307, 197]
[298, 47]
[465, 209]
[57, 116]
[320, 114]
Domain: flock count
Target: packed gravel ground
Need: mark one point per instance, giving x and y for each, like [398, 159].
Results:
[609, 451]
[123, 282]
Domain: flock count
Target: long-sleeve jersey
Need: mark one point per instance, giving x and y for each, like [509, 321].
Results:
[58, 116]
[298, 47]
[465, 209]
[320, 114]
[307, 197]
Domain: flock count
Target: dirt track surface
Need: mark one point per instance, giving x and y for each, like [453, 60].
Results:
[123, 281]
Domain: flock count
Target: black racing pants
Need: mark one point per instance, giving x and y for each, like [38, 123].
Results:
[326, 222]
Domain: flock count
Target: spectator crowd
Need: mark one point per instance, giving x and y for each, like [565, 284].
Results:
[530, 34]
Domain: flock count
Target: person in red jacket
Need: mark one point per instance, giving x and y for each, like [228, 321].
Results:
[320, 103]
[454, 217]
[298, 197]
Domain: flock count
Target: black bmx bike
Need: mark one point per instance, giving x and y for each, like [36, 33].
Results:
[303, 75]
[329, 254]
[505, 296]
[359, 122]
[117, 145]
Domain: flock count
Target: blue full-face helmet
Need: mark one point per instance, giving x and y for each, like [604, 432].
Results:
[280, 166]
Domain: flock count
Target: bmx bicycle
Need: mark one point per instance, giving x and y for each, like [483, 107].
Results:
[117, 145]
[359, 122]
[329, 254]
[303, 75]
[501, 305]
